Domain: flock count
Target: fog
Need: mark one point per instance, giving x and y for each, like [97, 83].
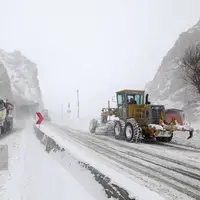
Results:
[97, 47]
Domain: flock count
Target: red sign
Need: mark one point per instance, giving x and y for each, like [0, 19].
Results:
[39, 121]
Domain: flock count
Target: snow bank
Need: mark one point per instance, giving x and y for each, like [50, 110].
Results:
[33, 174]
[88, 159]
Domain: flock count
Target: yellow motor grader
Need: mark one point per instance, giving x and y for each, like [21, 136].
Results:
[137, 119]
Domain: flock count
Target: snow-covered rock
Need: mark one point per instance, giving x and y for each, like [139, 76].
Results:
[19, 80]
[168, 86]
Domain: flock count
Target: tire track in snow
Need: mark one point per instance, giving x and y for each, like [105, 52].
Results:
[150, 154]
[183, 172]
[182, 186]
[179, 146]
[171, 145]
[144, 169]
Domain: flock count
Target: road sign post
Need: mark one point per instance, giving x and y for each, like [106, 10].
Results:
[40, 118]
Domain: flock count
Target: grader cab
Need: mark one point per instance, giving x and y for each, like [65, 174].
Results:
[134, 104]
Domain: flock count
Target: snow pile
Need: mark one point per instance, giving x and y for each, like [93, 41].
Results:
[31, 174]
[89, 158]
[19, 82]
[168, 87]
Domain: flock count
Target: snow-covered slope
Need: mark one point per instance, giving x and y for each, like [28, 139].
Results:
[19, 80]
[5, 84]
[168, 87]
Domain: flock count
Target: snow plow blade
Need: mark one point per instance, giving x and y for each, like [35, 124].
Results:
[97, 127]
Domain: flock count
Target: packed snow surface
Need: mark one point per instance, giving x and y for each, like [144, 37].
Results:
[33, 174]
[170, 169]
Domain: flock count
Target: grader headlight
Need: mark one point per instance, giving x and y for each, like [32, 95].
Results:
[161, 121]
[151, 131]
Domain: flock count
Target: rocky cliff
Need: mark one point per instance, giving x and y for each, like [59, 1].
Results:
[168, 87]
[18, 79]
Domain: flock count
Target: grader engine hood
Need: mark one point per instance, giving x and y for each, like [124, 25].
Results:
[154, 115]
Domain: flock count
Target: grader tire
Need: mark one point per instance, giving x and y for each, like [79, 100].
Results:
[131, 131]
[169, 139]
[163, 139]
[118, 131]
[93, 125]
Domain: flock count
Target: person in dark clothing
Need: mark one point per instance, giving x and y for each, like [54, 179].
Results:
[7, 105]
[132, 101]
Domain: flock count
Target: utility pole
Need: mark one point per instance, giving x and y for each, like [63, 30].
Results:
[61, 111]
[78, 103]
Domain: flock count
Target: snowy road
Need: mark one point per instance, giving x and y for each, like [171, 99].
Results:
[31, 172]
[171, 170]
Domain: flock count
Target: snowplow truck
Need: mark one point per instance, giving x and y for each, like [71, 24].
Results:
[6, 117]
[137, 119]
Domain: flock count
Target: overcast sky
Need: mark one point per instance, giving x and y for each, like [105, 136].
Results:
[97, 46]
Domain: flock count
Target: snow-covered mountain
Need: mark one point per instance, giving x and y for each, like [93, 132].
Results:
[18, 79]
[167, 87]
[5, 84]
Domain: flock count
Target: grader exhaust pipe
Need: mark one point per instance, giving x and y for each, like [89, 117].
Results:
[147, 99]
